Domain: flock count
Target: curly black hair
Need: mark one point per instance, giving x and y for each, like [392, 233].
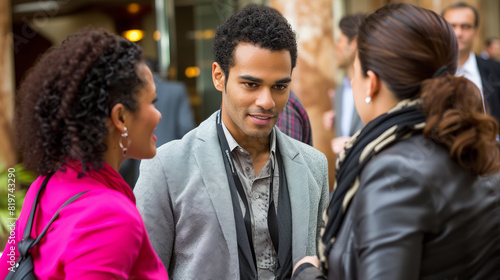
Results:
[67, 97]
[259, 25]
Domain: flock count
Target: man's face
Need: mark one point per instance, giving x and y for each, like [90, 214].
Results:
[345, 51]
[256, 92]
[462, 20]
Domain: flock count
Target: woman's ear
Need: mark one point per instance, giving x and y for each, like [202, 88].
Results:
[373, 84]
[218, 77]
[119, 116]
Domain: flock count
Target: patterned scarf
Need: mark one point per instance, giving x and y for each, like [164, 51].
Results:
[401, 122]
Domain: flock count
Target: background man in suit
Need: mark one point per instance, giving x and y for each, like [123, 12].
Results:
[491, 49]
[236, 198]
[344, 116]
[485, 74]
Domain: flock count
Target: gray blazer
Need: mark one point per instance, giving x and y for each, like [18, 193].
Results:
[356, 123]
[184, 198]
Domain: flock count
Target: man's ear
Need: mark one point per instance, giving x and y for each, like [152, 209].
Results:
[119, 116]
[218, 77]
[373, 84]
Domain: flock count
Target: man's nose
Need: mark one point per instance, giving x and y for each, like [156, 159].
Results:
[265, 99]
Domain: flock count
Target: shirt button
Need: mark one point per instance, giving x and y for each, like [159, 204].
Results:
[247, 169]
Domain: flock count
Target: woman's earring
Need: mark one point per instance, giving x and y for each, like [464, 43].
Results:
[124, 137]
[368, 100]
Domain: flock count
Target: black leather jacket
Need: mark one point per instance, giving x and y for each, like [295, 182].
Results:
[418, 215]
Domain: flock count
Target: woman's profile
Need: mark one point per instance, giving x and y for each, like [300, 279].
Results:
[86, 106]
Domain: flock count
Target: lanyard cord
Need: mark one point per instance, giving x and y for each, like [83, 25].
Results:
[235, 183]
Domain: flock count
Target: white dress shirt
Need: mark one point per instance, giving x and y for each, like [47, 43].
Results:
[347, 108]
[470, 71]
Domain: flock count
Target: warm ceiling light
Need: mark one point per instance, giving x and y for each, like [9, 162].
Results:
[133, 8]
[133, 35]
[208, 34]
[192, 72]
[157, 35]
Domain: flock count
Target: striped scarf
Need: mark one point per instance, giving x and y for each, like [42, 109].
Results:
[401, 122]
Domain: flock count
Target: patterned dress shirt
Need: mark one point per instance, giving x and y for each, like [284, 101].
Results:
[257, 194]
[294, 121]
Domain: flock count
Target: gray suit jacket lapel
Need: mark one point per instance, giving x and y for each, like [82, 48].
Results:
[298, 189]
[209, 159]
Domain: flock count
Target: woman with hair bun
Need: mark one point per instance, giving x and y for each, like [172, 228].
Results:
[413, 199]
[85, 107]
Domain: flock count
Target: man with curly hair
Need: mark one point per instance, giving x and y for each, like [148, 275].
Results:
[236, 198]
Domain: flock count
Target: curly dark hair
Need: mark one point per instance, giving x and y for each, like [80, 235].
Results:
[259, 25]
[67, 97]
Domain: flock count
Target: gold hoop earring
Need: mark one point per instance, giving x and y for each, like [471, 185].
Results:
[124, 137]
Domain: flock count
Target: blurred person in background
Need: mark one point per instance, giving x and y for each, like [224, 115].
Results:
[412, 198]
[344, 118]
[491, 49]
[485, 74]
[86, 106]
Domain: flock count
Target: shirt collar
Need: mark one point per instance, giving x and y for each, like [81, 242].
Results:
[233, 144]
[470, 63]
[470, 71]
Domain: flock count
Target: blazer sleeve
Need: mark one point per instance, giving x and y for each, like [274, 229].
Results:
[154, 204]
[392, 210]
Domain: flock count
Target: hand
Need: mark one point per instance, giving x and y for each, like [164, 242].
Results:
[329, 119]
[308, 259]
[338, 143]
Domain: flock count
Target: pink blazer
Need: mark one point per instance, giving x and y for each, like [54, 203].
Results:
[101, 235]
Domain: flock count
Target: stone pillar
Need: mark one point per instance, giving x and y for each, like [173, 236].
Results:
[7, 149]
[314, 73]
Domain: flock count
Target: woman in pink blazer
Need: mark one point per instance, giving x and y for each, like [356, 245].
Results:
[86, 106]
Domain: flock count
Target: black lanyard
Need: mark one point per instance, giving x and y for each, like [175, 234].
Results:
[235, 183]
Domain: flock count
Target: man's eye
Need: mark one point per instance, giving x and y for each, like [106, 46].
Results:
[251, 85]
[280, 87]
